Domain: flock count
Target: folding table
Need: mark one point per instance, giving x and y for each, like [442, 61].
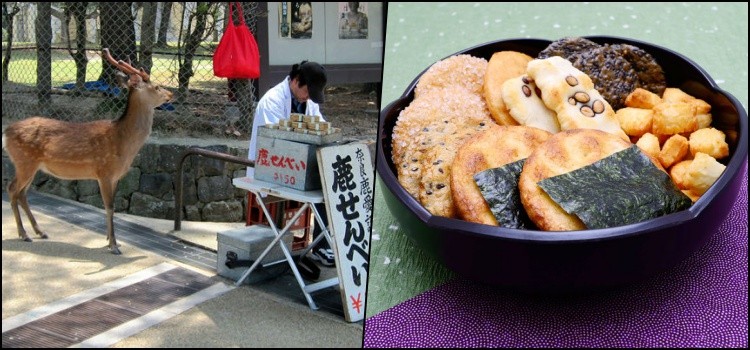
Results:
[263, 189]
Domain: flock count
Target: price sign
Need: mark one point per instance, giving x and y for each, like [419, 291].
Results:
[347, 178]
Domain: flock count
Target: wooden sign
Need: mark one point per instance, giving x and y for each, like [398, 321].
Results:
[347, 178]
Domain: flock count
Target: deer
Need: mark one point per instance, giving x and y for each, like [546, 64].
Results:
[101, 150]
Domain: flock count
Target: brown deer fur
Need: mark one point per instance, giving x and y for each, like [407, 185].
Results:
[101, 150]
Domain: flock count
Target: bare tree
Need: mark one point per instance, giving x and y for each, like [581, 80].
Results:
[117, 34]
[76, 10]
[241, 89]
[44, 55]
[60, 15]
[8, 26]
[196, 35]
[148, 24]
[166, 13]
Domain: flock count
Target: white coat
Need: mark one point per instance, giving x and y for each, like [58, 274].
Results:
[275, 105]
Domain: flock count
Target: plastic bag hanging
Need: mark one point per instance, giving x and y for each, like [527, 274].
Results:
[237, 55]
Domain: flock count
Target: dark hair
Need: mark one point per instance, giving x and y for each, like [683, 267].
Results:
[303, 75]
[295, 73]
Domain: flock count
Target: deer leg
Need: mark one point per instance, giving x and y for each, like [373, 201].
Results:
[25, 205]
[107, 188]
[17, 193]
[13, 193]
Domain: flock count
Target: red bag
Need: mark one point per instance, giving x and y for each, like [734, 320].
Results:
[237, 55]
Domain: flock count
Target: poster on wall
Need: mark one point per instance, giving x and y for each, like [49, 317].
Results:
[295, 20]
[353, 20]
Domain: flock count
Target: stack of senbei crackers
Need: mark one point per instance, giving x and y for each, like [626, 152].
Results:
[305, 124]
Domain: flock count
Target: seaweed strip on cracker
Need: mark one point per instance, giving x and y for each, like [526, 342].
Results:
[636, 191]
[499, 187]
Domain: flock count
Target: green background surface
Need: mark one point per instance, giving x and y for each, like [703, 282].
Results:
[714, 35]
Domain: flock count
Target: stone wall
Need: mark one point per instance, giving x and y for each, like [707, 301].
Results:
[148, 189]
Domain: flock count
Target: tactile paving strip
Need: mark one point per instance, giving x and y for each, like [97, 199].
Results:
[80, 322]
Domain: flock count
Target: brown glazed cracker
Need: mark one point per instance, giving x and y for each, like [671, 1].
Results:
[491, 148]
[561, 153]
[502, 66]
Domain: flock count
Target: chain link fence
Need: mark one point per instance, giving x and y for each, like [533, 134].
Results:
[52, 62]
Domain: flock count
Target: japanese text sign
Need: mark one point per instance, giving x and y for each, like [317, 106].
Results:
[347, 177]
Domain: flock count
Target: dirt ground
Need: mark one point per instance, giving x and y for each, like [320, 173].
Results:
[354, 109]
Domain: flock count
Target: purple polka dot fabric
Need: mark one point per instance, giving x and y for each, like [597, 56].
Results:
[702, 302]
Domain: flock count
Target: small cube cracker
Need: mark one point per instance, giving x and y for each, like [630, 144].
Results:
[701, 107]
[649, 144]
[635, 121]
[674, 118]
[678, 173]
[702, 172]
[672, 94]
[677, 95]
[663, 138]
[673, 151]
[693, 197]
[710, 141]
[642, 98]
[704, 120]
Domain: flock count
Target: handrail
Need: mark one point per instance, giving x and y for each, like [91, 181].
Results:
[205, 153]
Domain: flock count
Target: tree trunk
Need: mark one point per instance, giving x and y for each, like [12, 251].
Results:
[243, 88]
[8, 24]
[192, 42]
[60, 15]
[166, 14]
[118, 34]
[77, 11]
[148, 25]
[44, 56]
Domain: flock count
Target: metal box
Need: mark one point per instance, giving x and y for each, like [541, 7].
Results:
[248, 243]
[287, 163]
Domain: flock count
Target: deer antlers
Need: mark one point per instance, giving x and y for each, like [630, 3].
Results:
[125, 67]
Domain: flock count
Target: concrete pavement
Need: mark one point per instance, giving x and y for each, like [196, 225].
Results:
[75, 260]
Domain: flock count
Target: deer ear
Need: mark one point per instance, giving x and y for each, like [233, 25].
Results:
[122, 79]
[135, 80]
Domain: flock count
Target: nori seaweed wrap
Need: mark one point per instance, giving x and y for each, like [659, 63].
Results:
[499, 187]
[621, 189]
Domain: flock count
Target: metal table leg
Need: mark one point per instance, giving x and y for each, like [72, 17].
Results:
[306, 289]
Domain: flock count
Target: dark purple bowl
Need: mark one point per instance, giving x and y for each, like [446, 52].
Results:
[574, 261]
